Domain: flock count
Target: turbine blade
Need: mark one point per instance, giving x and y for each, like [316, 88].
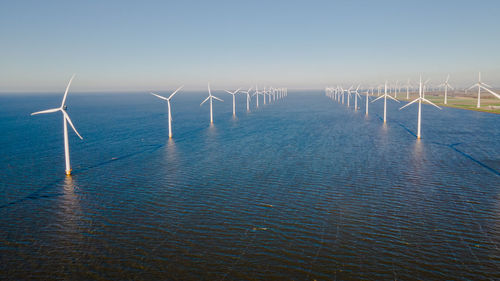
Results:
[66, 92]
[217, 98]
[46, 111]
[493, 93]
[389, 96]
[486, 85]
[408, 104]
[163, 98]
[71, 123]
[229, 92]
[204, 101]
[429, 102]
[209, 92]
[175, 92]
[475, 85]
[377, 98]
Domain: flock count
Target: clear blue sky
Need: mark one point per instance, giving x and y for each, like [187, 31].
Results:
[144, 45]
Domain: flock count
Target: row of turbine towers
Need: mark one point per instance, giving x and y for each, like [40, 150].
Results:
[340, 95]
[272, 94]
[269, 95]
[397, 88]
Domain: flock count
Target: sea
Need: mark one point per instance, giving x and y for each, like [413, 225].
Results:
[302, 188]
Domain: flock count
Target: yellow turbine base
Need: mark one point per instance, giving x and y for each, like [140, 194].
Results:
[68, 173]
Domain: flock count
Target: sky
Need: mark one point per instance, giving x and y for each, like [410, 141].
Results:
[159, 45]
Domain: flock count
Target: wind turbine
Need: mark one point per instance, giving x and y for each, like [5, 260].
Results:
[256, 94]
[210, 97]
[169, 114]
[446, 85]
[367, 99]
[248, 98]
[342, 91]
[484, 86]
[408, 85]
[420, 99]
[234, 96]
[356, 95]
[385, 96]
[349, 95]
[66, 120]
[396, 89]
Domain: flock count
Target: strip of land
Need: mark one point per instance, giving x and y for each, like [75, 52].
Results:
[489, 103]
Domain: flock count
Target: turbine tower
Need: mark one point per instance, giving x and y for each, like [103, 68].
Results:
[396, 89]
[169, 113]
[210, 97]
[256, 94]
[367, 99]
[66, 120]
[420, 99]
[408, 85]
[349, 95]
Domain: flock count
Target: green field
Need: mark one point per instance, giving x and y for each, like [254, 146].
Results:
[489, 103]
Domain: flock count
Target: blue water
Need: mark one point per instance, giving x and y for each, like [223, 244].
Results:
[300, 189]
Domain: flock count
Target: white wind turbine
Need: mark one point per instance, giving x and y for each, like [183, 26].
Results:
[367, 99]
[396, 89]
[408, 85]
[210, 97]
[256, 94]
[66, 120]
[420, 99]
[446, 85]
[349, 95]
[484, 86]
[356, 95]
[248, 98]
[385, 96]
[234, 97]
[169, 113]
